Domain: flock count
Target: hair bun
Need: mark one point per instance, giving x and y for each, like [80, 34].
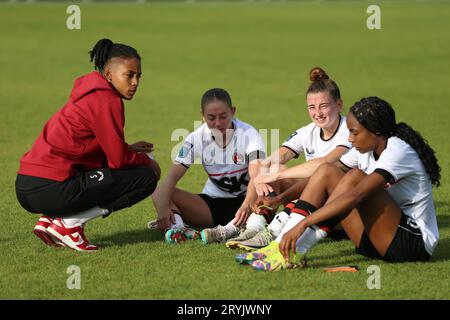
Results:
[317, 74]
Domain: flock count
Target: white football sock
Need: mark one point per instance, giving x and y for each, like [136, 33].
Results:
[308, 239]
[81, 218]
[256, 222]
[294, 218]
[230, 229]
[178, 222]
[278, 223]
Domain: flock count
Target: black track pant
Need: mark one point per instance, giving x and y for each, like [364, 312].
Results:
[106, 188]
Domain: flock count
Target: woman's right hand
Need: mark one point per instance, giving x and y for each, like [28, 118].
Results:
[165, 218]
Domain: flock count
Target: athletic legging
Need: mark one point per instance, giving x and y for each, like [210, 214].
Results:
[106, 188]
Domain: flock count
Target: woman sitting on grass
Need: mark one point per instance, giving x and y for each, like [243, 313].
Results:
[384, 203]
[80, 166]
[229, 151]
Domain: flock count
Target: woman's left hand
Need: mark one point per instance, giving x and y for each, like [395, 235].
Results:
[263, 189]
[142, 146]
[289, 241]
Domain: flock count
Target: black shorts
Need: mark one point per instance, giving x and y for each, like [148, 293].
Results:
[407, 245]
[222, 210]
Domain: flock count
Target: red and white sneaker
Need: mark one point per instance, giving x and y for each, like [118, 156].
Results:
[73, 237]
[40, 230]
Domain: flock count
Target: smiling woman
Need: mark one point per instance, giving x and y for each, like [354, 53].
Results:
[80, 166]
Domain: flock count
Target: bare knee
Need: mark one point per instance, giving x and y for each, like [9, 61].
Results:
[353, 177]
[326, 175]
[327, 170]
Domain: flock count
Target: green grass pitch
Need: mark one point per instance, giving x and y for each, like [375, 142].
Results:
[261, 52]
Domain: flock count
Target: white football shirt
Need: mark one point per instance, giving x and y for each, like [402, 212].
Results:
[227, 168]
[309, 140]
[411, 190]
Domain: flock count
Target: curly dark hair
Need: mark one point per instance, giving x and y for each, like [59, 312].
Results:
[378, 116]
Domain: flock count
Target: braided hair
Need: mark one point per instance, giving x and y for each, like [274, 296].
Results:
[105, 49]
[321, 82]
[378, 116]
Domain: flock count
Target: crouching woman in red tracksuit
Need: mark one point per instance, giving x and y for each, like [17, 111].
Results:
[80, 166]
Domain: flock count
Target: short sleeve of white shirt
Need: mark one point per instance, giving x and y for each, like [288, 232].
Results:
[351, 158]
[255, 144]
[186, 155]
[295, 141]
[342, 136]
[398, 159]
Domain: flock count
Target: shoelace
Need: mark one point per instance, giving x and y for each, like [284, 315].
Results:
[266, 235]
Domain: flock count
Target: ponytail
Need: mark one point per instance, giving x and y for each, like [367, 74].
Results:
[378, 116]
[105, 49]
[425, 152]
[99, 54]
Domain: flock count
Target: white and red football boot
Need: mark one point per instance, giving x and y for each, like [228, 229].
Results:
[40, 230]
[73, 237]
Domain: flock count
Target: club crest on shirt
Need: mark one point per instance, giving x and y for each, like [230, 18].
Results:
[238, 158]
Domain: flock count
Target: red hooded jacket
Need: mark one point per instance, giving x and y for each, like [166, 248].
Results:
[85, 134]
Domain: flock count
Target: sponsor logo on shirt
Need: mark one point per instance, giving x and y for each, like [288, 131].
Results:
[232, 184]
